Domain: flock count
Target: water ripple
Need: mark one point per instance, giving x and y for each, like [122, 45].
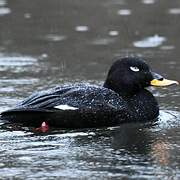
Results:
[106, 152]
[174, 11]
[17, 60]
[113, 33]
[168, 119]
[4, 11]
[149, 42]
[124, 12]
[81, 28]
[55, 37]
[148, 1]
[102, 41]
[3, 2]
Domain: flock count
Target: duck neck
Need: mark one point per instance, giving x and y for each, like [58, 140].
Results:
[120, 89]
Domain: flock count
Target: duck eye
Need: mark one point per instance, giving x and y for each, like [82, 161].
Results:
[135, 69]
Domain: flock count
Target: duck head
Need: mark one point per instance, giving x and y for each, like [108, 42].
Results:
[129, 75]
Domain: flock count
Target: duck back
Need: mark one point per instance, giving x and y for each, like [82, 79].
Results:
[71, 106]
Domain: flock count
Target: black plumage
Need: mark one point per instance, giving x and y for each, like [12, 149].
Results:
[122, 98]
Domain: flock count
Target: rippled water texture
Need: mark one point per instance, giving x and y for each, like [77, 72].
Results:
[48, 42]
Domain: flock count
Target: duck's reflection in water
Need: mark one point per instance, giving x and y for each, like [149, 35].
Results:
[140, 139]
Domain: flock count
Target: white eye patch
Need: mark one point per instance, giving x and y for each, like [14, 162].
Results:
[133, 68]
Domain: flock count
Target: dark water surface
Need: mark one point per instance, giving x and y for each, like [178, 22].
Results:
[48, 42]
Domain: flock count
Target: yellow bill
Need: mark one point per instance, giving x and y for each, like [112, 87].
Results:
[163, 82]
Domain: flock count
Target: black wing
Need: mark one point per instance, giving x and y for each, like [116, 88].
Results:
[78, 96]
[95, 106]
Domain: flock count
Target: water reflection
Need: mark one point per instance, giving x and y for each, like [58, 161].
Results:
[148, 1]
[81, 28]
[55, 37]
[17, 61]
[103, 41]
[27, 15]
[160, 152]
[113, 33]
[134, 138]
[174, 11]
[3, 2]
[4, 11]
[124, 12]
[124, 151]
[150, 42]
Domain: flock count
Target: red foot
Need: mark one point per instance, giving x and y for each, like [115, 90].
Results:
[44, 127]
